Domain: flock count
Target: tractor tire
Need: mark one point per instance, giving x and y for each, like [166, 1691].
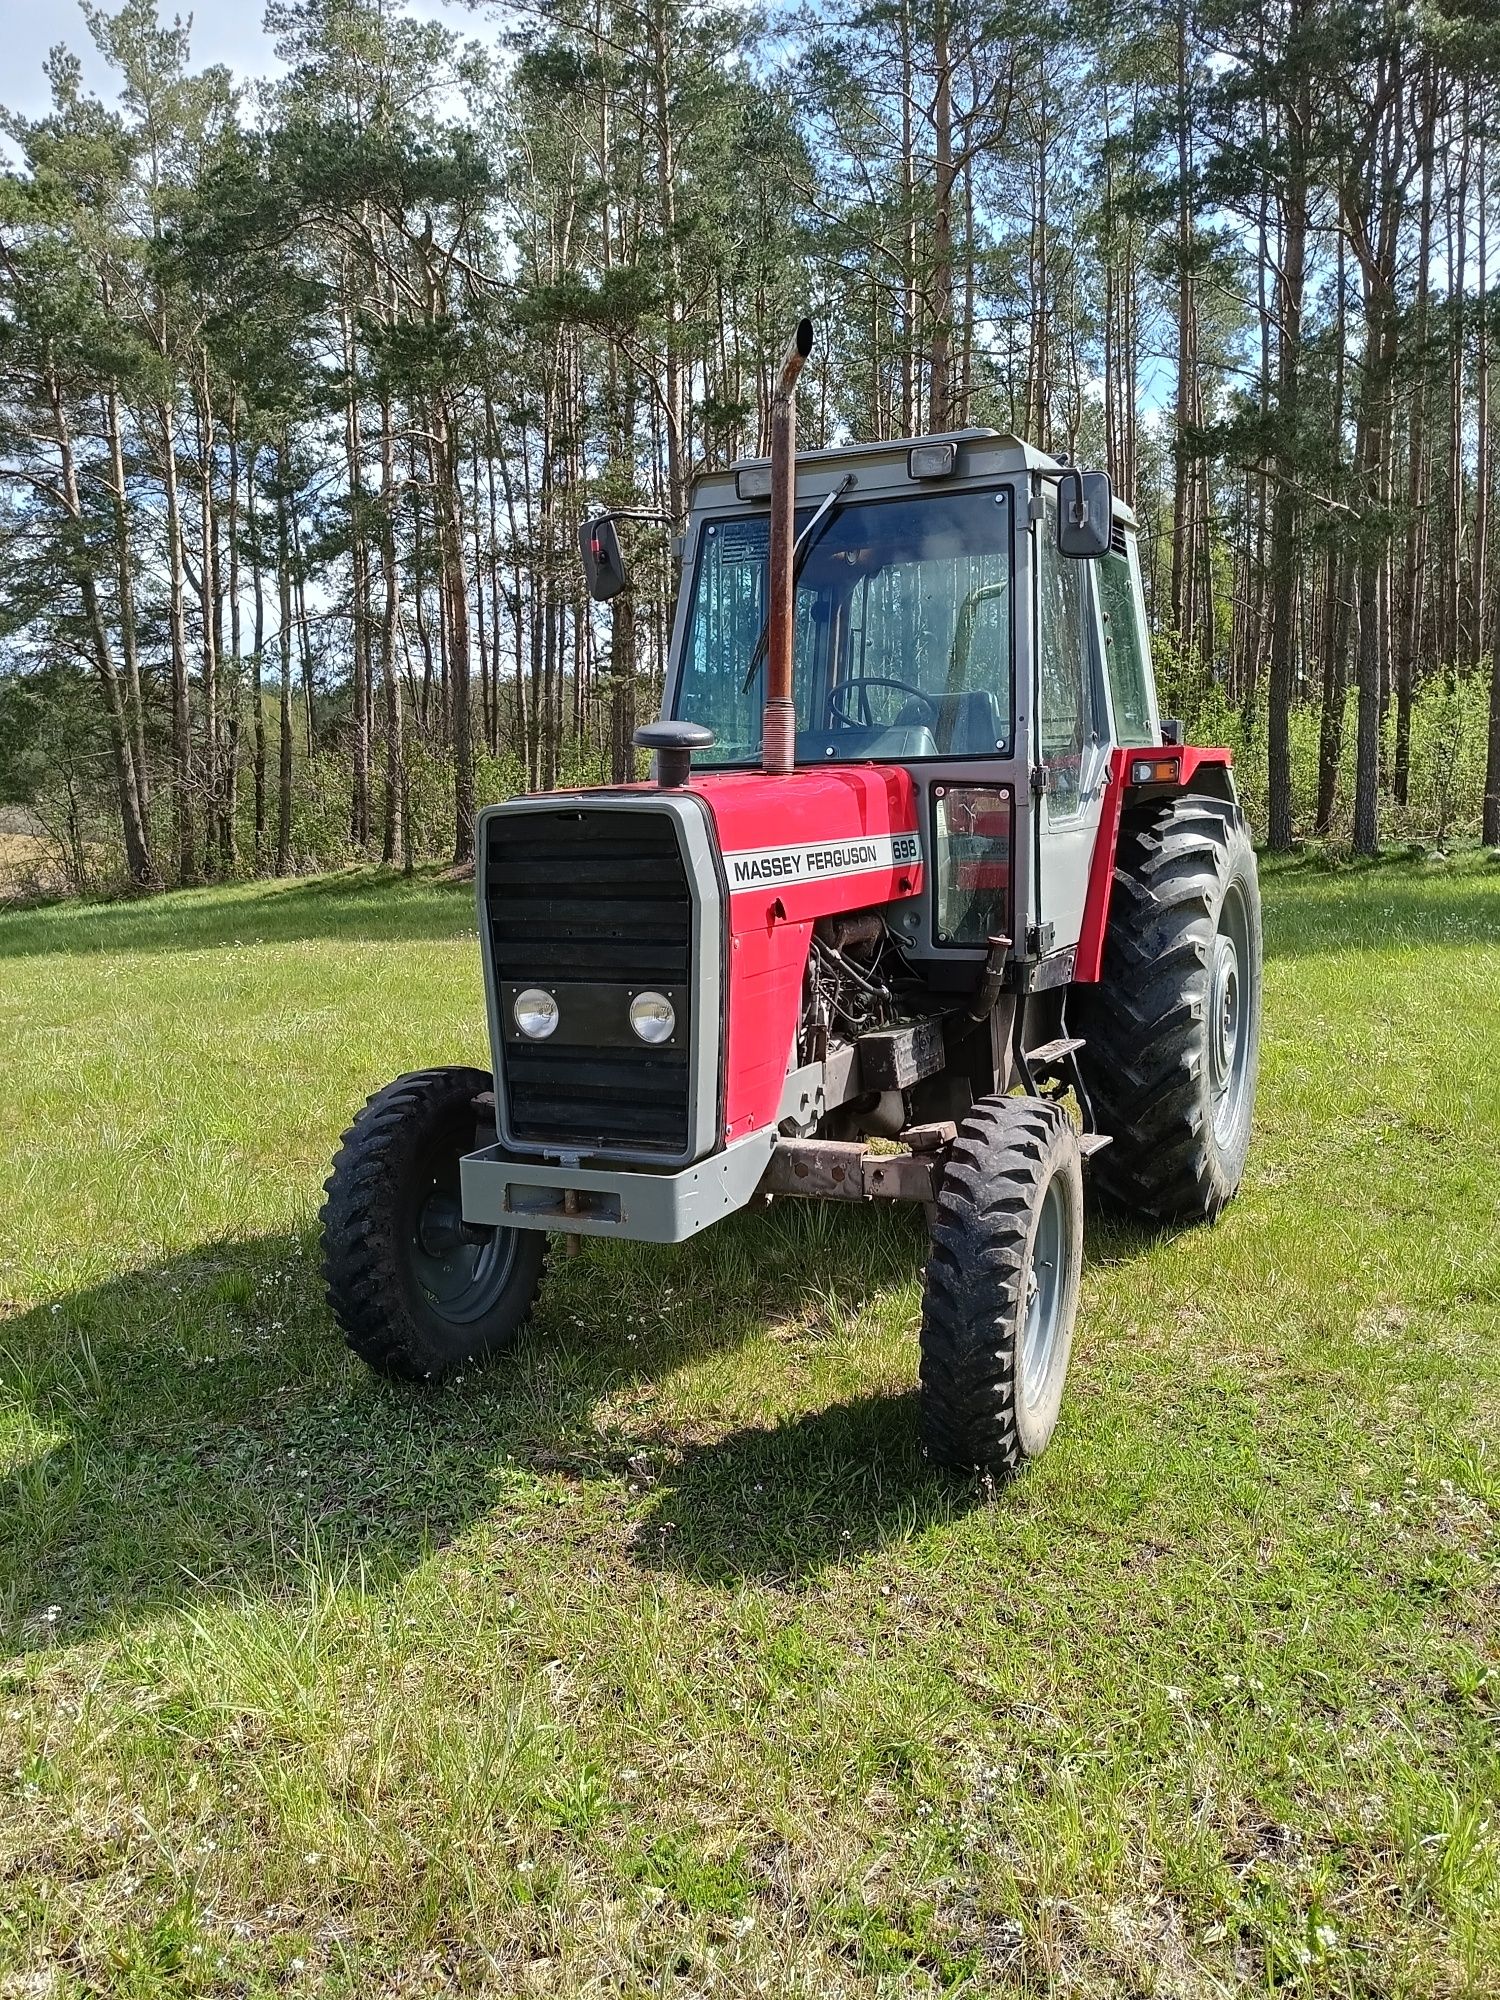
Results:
[1172, 1029]
[1001, 1294]
[417, 1293]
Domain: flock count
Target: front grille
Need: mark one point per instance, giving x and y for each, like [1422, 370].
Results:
[594, 898]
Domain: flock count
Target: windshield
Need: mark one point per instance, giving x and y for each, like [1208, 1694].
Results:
[903, 646]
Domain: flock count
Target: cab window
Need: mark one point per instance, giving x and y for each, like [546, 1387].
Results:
[1125, 659]
[1067, 722]
[903, 631]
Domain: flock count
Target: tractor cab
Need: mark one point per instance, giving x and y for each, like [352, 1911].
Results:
[938, 626]
[923, 902]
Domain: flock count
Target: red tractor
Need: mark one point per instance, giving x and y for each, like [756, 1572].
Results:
[924, 903]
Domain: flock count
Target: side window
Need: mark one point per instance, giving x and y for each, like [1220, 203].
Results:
[1124, 652]
[1067, 726]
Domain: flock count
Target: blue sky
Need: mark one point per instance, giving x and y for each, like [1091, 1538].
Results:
[224, 31]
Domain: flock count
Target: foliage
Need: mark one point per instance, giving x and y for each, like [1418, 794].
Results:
[303, 391]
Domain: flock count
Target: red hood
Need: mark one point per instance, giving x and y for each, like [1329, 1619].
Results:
[795, 849]
[817, 841]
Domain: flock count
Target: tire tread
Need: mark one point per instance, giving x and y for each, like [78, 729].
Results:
[1144, 1023]
[362, 1283]
[1004, 1154]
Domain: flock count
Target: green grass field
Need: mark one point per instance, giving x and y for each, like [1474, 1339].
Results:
[656, 1662]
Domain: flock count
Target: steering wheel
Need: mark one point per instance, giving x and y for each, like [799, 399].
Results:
[838, 711]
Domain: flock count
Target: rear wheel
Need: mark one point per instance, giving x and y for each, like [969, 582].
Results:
[1172, 1029]
[1002, 1286]
[417, 1291]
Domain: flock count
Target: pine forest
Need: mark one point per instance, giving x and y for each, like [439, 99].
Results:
[306, 383]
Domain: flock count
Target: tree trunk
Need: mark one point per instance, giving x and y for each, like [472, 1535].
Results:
[940, 387]
[666, 183]
[1490, 824]
[1337, 620]
[182, 800]
[1479, 552]
[394, 845]
[304, 627]
[450, 505]
[257, 686]
[1182, 522]
[208, 606]
[284, 591]
[1284, 505]
[125, 588]
[1367, 738]
[230, 803]
[359, 705]
[138, 862]
[1413, 591]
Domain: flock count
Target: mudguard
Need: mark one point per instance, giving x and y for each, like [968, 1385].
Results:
[1198, 769]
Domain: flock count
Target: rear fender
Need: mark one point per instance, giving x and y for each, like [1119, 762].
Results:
[1204, 771]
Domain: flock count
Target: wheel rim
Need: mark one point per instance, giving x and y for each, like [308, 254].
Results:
[1229, 1012]
[1046, 1288]
[461, 1271]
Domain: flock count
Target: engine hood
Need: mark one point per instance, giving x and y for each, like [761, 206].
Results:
[795, 849]
[815, 842]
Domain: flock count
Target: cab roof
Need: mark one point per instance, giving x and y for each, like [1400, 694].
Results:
[883, 469]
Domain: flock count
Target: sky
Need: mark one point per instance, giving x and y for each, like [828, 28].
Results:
[224, 31]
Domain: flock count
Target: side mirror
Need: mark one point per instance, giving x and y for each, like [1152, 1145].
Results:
[1085, 513]
[604, 568]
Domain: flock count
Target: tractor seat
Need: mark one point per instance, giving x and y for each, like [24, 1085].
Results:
[969, 724]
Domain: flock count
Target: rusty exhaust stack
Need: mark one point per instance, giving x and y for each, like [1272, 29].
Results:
[779, 724]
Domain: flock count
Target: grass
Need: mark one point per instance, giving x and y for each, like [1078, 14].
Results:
[656, 1662]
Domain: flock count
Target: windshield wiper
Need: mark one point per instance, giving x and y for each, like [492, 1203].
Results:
[802, 548]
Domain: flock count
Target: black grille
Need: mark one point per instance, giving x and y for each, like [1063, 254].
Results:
[599, 897]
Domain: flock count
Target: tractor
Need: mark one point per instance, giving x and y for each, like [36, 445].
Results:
[923, 901]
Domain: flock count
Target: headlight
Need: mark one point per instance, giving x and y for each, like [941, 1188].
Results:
[653, 1017]
[536, 1014]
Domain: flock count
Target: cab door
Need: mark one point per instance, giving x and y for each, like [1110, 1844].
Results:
[1071, 743]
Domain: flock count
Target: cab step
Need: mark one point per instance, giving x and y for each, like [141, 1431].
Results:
[1054, 1052]
[1090, 1143]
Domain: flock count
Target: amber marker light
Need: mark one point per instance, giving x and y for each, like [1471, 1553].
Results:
[1155, 770]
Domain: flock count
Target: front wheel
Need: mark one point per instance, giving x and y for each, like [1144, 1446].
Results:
[1002, 1286]
[417, 1290]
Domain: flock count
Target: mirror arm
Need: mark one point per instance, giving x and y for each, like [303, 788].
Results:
[637, 514]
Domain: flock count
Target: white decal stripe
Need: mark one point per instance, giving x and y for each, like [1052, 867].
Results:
[858, 854]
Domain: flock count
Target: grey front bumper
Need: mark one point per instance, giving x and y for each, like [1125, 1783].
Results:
[645, 1207]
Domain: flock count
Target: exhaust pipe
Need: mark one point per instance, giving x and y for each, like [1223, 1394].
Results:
[778, 732]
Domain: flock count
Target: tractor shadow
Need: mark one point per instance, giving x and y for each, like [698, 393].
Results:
[781, 1503]
[200, 1435]
[196, 1431]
